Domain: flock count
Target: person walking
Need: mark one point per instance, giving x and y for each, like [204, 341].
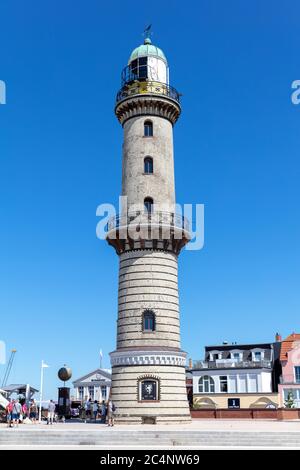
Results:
[16, 411]
[95, 410]
[111, 412]
[103, 412]
[9, 408]
[33, 411]
[87, 409]
[51, 411]
[24, 411]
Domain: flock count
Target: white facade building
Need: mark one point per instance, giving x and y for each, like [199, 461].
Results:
[232, 381]
[237, 376]
[95, 385]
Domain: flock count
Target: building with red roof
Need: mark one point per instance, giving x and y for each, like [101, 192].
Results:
[290, 363]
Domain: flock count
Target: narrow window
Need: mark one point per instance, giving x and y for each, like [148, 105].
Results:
[148, 165]
[143, 69]
[134, 68]
[223, 384]
[297, 374]
[80, 393]
[148, 129]
[148, 320]
[104, 392]
[148, 203]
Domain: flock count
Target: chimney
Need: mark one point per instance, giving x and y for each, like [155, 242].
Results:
[278, 338]
[190, 363]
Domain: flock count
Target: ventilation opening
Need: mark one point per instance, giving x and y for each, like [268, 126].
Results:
[148, 420]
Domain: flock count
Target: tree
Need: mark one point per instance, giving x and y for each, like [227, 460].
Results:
[289, 401]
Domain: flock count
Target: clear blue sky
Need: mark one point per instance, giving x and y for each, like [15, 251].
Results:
[236, 151]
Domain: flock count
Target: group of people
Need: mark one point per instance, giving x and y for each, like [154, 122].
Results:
[106, 411]
[16, 412]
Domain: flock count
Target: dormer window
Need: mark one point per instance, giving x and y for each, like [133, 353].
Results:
[257, 356]
[236, 356]
[214, 356]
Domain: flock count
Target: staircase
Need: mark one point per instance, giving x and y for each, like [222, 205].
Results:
[116, 437]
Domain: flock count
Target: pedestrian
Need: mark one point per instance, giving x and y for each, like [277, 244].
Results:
[51, 411]
[87, 410]
[9, 408]
[24, 411]
[33, 411]
[111, 412]
[16, 411]
[103, 412]
[95, 409]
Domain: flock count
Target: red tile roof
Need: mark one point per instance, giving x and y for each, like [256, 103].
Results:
[287, 345]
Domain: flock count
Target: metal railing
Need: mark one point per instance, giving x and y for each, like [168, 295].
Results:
[149, 219]
[137, 87]
[231, 364]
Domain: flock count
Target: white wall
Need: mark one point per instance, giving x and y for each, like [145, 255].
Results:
[97, 393]
[157, 70]
[256, 380]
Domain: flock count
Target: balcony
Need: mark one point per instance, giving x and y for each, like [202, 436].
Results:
[149, 220]
[229, 364]
[137, 87]
[157, 230]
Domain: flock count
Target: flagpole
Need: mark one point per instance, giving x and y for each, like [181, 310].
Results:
[41, 391]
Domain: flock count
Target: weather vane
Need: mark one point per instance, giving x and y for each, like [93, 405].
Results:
[147, 32]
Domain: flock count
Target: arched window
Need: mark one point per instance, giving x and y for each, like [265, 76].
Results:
[148, 165]
[148, 203]
[206, 384]
[148, 129]
[148, 320]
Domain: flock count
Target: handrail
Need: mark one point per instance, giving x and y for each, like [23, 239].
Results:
[157, 218]
[231, 364]
[137, 87]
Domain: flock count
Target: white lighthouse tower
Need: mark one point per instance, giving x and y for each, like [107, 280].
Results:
[148, 365]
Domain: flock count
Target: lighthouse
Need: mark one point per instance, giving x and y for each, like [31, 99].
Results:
[148, 365]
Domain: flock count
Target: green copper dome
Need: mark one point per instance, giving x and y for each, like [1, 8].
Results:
[147, 49]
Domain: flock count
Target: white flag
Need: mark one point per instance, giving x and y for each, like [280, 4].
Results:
[44, 364]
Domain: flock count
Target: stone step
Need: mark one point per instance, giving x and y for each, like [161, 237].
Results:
[146, 438]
